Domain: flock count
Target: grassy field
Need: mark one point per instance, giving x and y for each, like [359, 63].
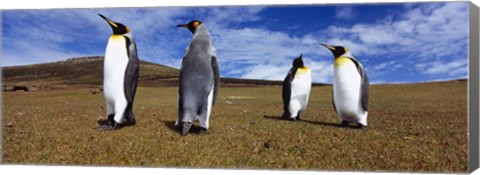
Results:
[419, 127]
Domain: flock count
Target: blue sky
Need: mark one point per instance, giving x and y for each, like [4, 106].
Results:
[397, 43]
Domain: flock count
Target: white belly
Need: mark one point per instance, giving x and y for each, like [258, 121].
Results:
[346, 93]
[301, 86]
[115, 64]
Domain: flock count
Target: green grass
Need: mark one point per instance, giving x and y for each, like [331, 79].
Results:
[420, 127]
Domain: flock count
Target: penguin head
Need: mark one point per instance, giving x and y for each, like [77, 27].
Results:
[192, 25]
[298, 62]
[118, 28]
[336, 50]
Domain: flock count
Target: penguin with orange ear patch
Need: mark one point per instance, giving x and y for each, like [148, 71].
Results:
[296, 90]
[120, 77]
[199, 79]
[350, 87]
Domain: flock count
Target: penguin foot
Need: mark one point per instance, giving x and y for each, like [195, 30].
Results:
[344, 123]
[361, 126]
[291, 119]
[131, 120]
[203, 131]
[185, 128]
[288, 118]
[108, 127]
[297, 118]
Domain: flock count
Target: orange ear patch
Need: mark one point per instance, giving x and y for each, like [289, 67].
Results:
[195, 24]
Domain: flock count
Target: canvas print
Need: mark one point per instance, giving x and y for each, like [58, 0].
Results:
[348, 87]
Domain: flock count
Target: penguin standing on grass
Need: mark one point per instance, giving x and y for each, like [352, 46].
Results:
[350, 87]
[199, 79]
[120, 76]
[296, 90]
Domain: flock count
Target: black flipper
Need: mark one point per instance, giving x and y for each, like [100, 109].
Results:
[364, 91]
[287, 91]
[333, 101]
[180, 99]
[216, 75]
[131, 78]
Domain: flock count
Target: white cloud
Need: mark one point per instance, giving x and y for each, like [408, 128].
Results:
[385, 66]
[396, 82]
[378, 82]
[223, 16]
[424, 33]
[426, 37]
[266, 71]
[419, 32]
[264, 54]
[31, 53]
[321, 71]
[154, 31]
[44, 39]
[345, 12]
[27, 41]
[452, 68]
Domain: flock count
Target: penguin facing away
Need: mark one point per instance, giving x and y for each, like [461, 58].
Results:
[121, 67]
[296, 90]
[350, 87]
[199, 79]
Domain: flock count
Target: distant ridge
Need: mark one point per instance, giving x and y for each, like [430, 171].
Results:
[77, 71]
[238, 81]
[88, 71]
[423, 82]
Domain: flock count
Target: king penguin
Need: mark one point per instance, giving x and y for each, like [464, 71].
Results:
[296, 90]
[120, 76]
[350, 87]
[199, 79]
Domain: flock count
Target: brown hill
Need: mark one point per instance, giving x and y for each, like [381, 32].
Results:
[77, 71]
[88, 71]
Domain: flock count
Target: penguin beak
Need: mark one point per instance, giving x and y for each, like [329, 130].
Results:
[110, 22]
[328, 47]
[183, 25]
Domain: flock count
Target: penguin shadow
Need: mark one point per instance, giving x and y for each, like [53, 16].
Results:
[194, 129]
[276, 118]
[103, 122]
[336, 125]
